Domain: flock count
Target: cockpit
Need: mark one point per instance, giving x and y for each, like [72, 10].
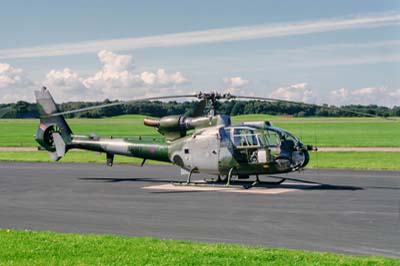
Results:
[264, 144]
[247, 137]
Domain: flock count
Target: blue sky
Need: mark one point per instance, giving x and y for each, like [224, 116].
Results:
[43, 43]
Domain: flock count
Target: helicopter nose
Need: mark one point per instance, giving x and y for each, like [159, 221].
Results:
[306, 158]
[311, 148]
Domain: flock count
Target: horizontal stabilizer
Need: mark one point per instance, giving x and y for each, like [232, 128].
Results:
[59, 143]
[54, 156]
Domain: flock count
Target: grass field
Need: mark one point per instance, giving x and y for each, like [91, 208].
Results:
[355, 160]
[318, 131]
[47, 248]
[337, 132]
[71, 157]
[339, 160]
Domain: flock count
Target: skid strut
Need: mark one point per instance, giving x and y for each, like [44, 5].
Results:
[229, 181]
[229, 177]
[188, 181]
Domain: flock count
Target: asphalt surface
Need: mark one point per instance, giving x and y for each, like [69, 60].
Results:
[352, 212]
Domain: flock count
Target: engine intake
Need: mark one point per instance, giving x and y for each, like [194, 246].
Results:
[175, 126]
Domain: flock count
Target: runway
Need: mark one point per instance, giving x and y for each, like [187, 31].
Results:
[352, 212]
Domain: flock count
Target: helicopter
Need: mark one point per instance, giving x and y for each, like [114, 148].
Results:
[208, 144]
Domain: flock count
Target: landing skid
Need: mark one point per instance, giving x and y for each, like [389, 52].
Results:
[228, 182]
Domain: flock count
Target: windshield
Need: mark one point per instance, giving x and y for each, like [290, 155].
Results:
[275, 136]
[289, 136]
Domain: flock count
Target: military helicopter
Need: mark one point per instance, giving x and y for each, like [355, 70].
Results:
[208, 144]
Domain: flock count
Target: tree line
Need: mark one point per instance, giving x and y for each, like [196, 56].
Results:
[23, 109]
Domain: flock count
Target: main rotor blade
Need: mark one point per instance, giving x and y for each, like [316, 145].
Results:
[122, 103]
[311, 105]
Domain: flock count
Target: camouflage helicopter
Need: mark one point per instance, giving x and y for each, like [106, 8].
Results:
[208, 144]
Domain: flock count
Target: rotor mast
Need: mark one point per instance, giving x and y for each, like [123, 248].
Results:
[213, 97]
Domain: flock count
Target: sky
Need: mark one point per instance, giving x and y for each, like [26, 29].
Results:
[335, 52]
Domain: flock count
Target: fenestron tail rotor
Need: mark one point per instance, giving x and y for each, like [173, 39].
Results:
[53, 133]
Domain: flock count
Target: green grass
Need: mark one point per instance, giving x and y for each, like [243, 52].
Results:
[261, 117]
[355, 160]
[340, 160]
[317, 131]
[47, 248]
[337, 131]
[70, 157]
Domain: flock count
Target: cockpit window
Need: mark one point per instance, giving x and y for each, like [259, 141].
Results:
[244, 137]
[289, 136]
[273, 138]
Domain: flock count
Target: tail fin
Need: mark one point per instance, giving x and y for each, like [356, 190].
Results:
[53, 133]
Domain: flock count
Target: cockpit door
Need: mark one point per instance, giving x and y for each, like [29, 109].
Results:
[203, 152]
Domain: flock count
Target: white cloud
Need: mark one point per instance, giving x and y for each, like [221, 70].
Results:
[207, 36]
[368, 95]
[115, 77]
[14, 84]
[115, 80]
[346, 60]
[396, 95]
[63, 78]
[115, 62]
[365, 96]
[161, 78]
[66, 85]
[11, 77]
[296, 92]
[235, 84]
[166, 80]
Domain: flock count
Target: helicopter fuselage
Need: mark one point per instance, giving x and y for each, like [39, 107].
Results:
[252, 148]
[204, 144]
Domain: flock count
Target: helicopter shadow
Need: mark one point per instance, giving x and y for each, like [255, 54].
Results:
[134, 179]
[147, 180]
[312, 185]
[296, 184]
[325, 186]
